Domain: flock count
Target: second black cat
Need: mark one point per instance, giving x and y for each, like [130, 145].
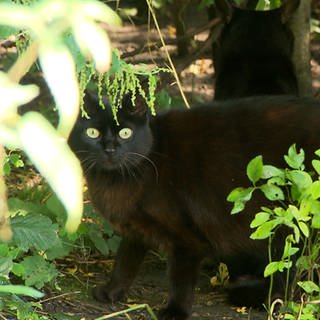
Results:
[163, 182]
[253, 55]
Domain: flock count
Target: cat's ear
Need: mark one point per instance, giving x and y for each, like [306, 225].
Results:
[91, 102]
[136, 106]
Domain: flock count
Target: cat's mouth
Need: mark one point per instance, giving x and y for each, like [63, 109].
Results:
[111, 164]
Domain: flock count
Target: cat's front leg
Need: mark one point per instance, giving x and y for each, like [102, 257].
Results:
[129, 257]
[183, 272]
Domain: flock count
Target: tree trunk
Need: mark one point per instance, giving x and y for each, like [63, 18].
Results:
[300, 26]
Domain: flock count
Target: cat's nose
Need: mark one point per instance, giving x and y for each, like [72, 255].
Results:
[110, 150]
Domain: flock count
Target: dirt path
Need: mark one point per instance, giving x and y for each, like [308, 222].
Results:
[149, 288]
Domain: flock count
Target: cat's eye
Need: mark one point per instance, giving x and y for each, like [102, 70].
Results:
[93, 133]
[125, 133]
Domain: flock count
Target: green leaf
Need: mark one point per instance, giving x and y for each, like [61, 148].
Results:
[295, 160]
[78, 57]
[93, 42]
[56, 59]
[6, 31]
[13, 95]
[296, 232]
[317, 152]
[6, 168]
[113, 243]
[15, 159]
[6, 265]
[277, 181]
[38, 271]
[61, 249]
[96, 237]
[315, 190]
[55, 206]
[22, 208]
[240, 194]
[34, 231]
[163, 99]
[304, 262]
[272, 192]
[300, 178]
[271, 268]
[259, 219]
[292, 211]
[255, 169]
[264, 231]
[315, 221]
[272, 171]
[304, 228]
[21, 290]
[309, 286]
[316, 166]
[238, 206]
[17, 16]
[280, 212]
[96, 10]
[18, 269]
[36, 133]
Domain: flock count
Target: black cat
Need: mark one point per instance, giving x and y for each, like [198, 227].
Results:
[253, 55]
[163, 182]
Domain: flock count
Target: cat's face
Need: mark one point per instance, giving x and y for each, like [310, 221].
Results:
[102, 144]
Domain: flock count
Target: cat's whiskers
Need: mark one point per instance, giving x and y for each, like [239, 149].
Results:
[132, 168]
[148, 160]
[88, 163]
[130, 172]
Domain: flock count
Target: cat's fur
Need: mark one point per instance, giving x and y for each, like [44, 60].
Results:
[253, 55]
[167, 185]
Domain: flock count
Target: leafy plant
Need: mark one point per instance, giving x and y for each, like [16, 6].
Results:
[12, 160]
[297, 195]
[123, 78]
[38, 239]
[46, 22]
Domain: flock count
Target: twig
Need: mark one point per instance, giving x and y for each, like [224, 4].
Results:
[156, 44]
[168, 55]
[59, 296]
[273, 306]
[3, 317]
[301, 306]
[313, 302]
[124, 312]
[199, 51]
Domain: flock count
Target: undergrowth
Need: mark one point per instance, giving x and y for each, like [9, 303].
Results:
[295, 195]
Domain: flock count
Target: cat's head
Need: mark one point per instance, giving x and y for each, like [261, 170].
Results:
[102, 144]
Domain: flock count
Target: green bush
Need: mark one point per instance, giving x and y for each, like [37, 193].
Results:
[295, 196]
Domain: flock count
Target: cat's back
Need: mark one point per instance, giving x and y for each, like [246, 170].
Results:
[235, 113]
[222, 133]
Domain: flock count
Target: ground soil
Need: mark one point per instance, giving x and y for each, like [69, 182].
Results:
[79, 275]
[149, 288]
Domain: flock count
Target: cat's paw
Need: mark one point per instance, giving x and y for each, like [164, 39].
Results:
[108, 294]
[173, 313]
